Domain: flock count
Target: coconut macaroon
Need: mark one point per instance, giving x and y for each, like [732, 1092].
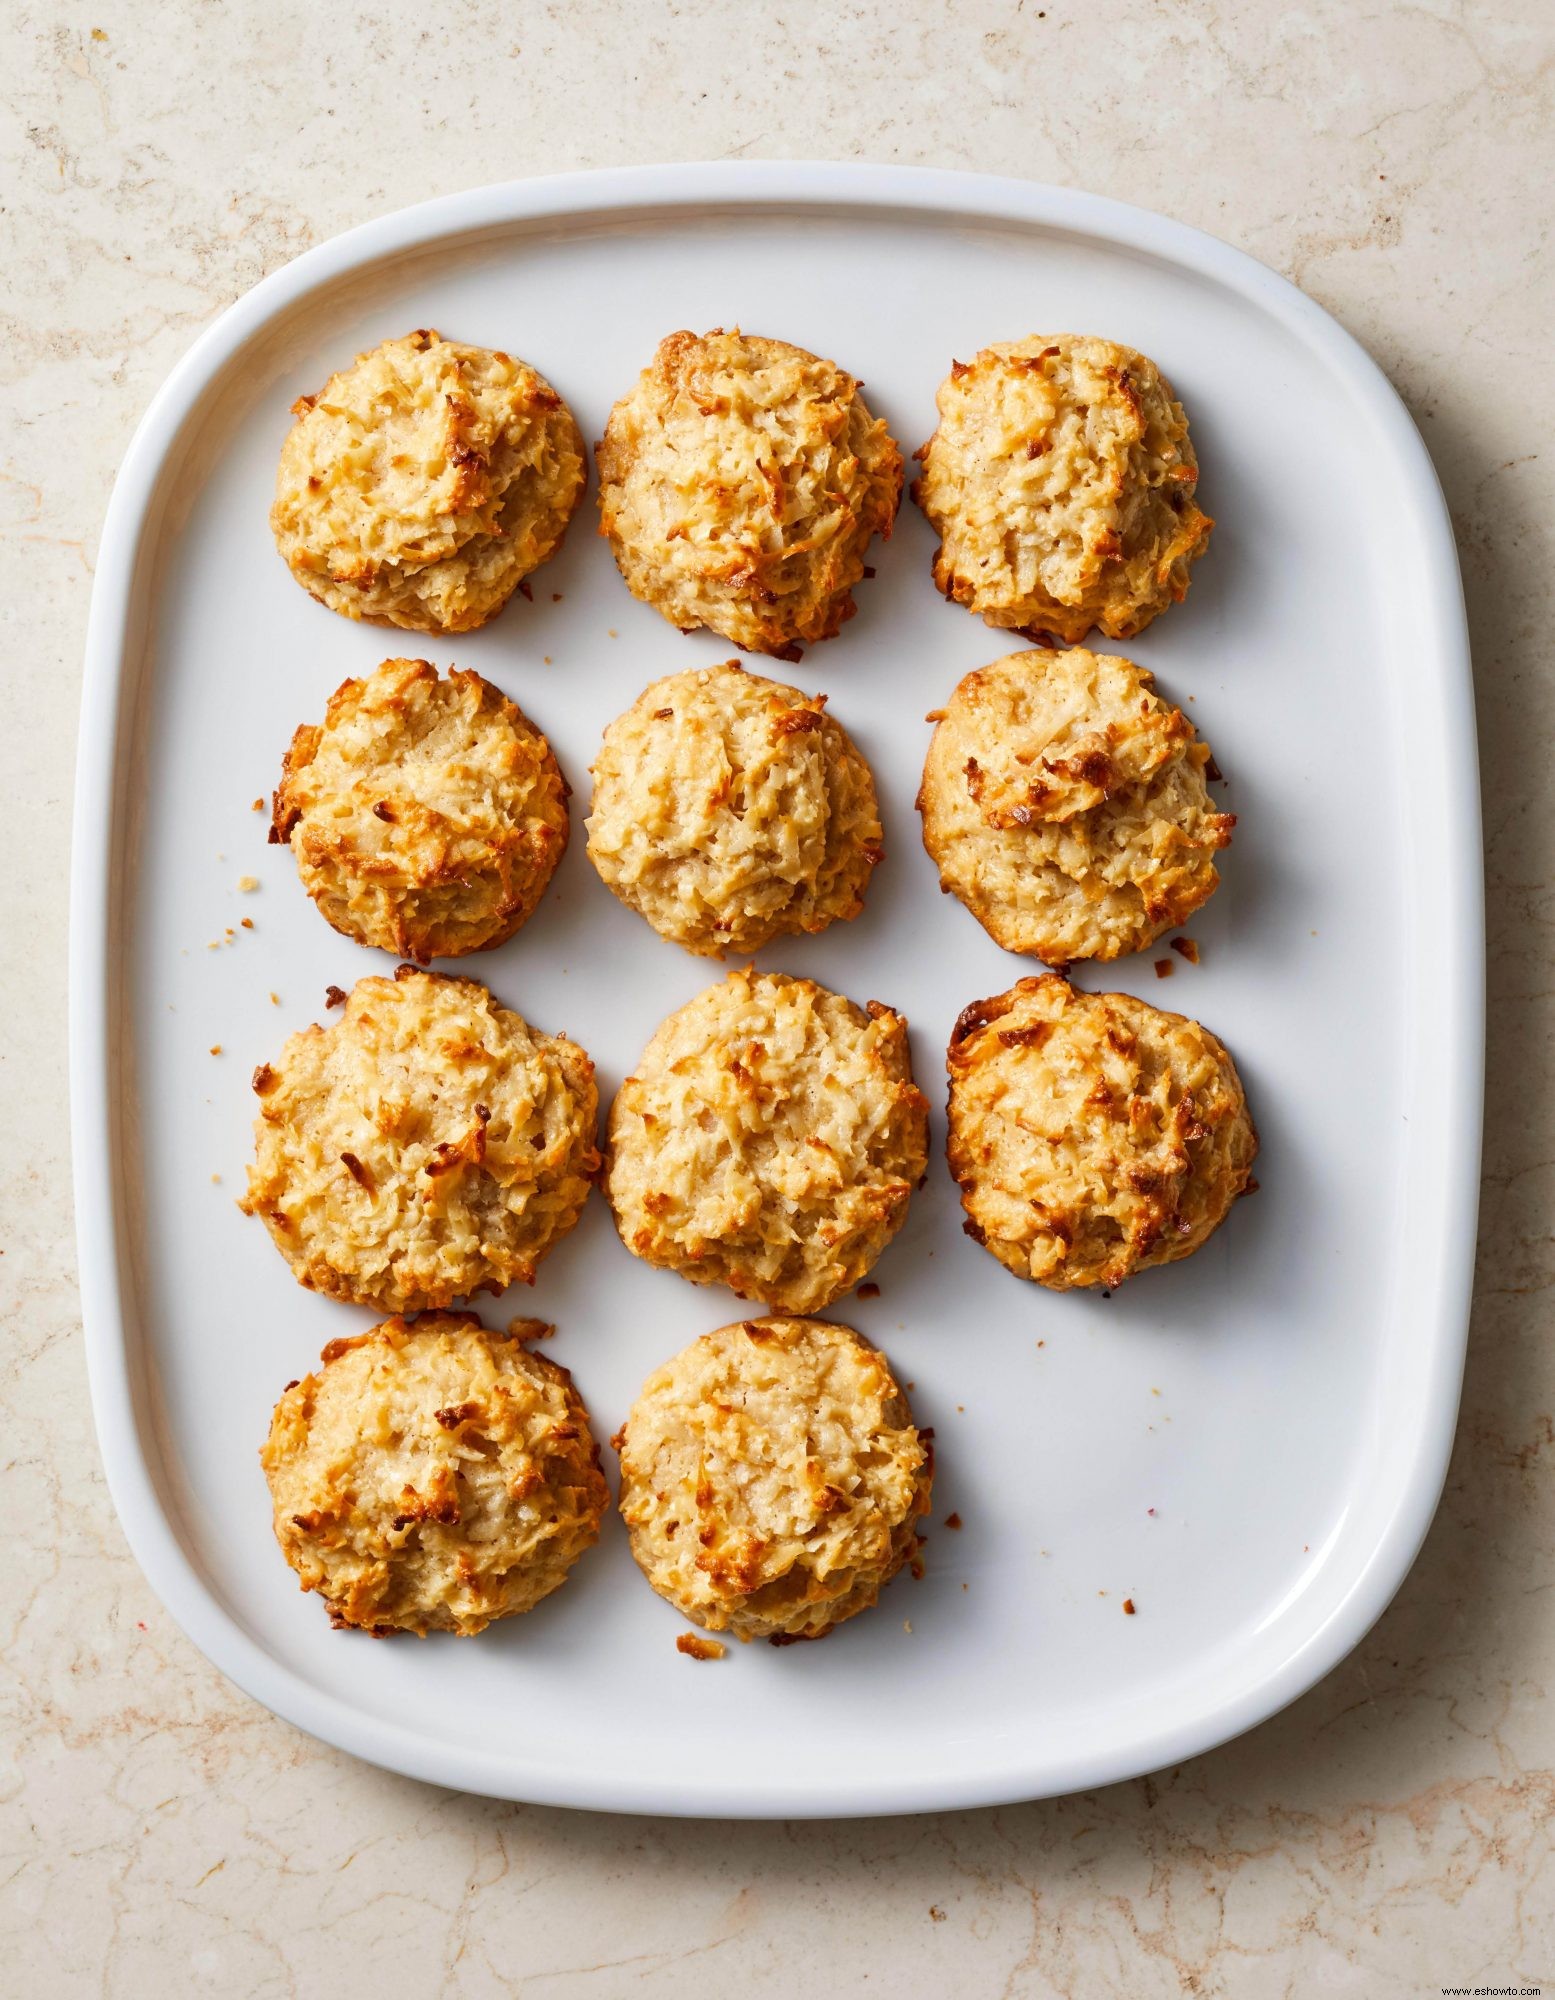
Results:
[1060, 482]
[427, 1146]
[422, 484]
[1092, 1135]
[772, 1479]
[740, 482]
[432, 1477]
[729, 810]
[1066, 805]
[768, 1140]
[426, 816]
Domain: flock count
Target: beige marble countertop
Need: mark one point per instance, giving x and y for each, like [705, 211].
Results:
[160, 1834]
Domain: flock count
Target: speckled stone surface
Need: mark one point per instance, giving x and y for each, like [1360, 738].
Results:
[1389, 1835]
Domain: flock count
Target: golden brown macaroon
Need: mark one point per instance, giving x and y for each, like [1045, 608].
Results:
[1065, 804]
[1092, 1135]
[772, 1479]
[427, 1146]
[729, 810]
[432, 1477]
[740, 482]
[422, 484]
[426, 816]
[768, 1140]
[1060, 482]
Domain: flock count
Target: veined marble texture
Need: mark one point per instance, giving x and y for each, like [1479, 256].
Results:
[1389, 1835]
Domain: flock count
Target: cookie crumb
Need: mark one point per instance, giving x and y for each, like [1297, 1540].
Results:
[275, 999]
[1188, 947]
[334, 996]
[258, 806]
[215, 1048]
[1128, 1607]
[530, 1329]
[936, 1914]
[697, 1648]
[869, 1291]
[248, 884]
[246, 923]
[1164, 968]
[952, 1520]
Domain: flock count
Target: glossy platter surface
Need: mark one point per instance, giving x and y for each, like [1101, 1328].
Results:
[1249, 1445]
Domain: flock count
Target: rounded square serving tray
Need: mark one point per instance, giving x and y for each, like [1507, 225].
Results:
[1249, 1445]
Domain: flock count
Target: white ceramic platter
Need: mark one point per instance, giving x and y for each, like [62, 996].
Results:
[1249, 1445]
